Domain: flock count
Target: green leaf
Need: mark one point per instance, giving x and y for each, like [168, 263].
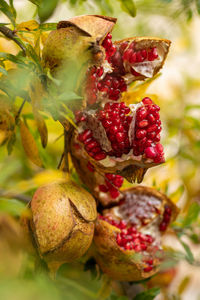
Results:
[192, 214]
[11, 206]
[3, 71]
[189, 256]
[198, 6]
[129, 7]
[34, 56]
[12, 8]
[8, 11]
[13, 58]
[36, 2]
[46, 9]
[11, 143]
[148, 295]
[48, 26]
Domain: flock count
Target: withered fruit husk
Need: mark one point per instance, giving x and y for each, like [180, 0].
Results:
[62, 222]
[117, 263]
[131, 169]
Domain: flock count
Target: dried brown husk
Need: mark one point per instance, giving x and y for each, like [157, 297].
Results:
[119, 264]
[62, 222]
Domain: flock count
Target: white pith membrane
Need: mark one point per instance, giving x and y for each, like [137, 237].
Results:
[139, 216]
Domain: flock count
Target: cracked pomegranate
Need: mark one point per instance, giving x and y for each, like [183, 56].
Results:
[131, 228]
[62, 223]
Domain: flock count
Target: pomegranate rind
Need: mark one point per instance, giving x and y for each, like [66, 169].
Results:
[95, 25]
[117, 263]
[59, 222]
[141, 43]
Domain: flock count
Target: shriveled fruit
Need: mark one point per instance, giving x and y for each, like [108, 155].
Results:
[62, 223]
[128, 237]
[120, 139]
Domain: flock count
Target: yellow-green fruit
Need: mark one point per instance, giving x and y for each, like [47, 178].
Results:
[62, 223]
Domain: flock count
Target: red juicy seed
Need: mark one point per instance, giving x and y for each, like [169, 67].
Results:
[123, 46]
[134, 73]
[151, 135]
[122, 224]
[114, 193]
[104, 89]
[137, 248]
[107, 43]
[103, 188]
[100, 156]
[119, 239]
[151, 128]
[88, 141]
[157, 138]
[148, 269]
[139, 57]
[143, 123]
[109, 36]
[159, 148]
[147, 101]
[151, 118]
[114, 129]
[163, 226]
[150, 152]
[123, 87]
[141, 133]
[133, 58]
[118, 181]
[149, 261]
[106, 123]
[144, 53]
[149, 238]
[127, 54]
[166, 218]
[91, 145]
[143, 247]
[168, 210]
[85, 135]
[120, 137]
[141, 114]
[110, 176]
[90, 167]
[107, 82]
[100, 71]
[148, 143]
[96, 150]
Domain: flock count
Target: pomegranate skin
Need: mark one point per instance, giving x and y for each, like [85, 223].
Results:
[129, 265]
[62, 223]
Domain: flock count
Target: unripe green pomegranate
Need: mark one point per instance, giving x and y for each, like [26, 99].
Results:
[62, 223]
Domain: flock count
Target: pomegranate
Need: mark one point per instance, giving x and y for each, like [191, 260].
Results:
[62, 223]
[107, 67]
[120, 139]
[127, 236]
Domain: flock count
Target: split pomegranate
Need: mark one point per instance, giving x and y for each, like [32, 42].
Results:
[125, 62]
[133, 227]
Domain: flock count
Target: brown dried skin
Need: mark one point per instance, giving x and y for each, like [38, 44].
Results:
[122, 264]
[130, 168]
[62, 222]
[140, 43]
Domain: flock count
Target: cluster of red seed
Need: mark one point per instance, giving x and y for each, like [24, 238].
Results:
[147, 131]
[166, 218]
[114, 118]
[110, 49]
[112, 86]
[131, 239]
[91, 145]
[93, 76]
[112, 183]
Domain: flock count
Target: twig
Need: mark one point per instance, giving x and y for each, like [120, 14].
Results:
[19, 111]
[12, 36]
[20, 197]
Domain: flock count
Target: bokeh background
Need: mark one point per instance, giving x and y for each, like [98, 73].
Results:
[177, 91]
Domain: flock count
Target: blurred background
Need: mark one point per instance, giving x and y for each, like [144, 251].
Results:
[176, 90]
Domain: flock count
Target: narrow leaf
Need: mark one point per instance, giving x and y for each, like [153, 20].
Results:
[189, 255]
[46, 9]
[192, 214]
[29, 144]
[8, 11]
[129, 7]
[3, 71]
[48, 26]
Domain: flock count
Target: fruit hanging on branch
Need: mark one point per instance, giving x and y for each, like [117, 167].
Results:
[107, 67]
[127, 237]
[62, 222]
[120, 139]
